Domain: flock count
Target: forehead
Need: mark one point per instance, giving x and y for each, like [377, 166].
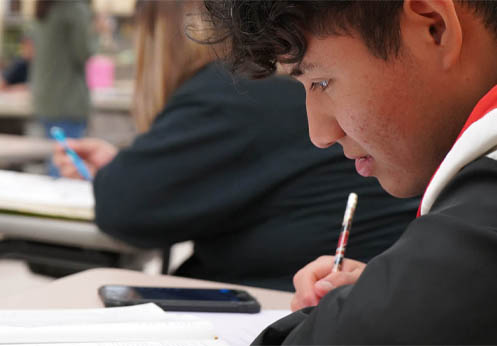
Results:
[330, 52]
[306, 64]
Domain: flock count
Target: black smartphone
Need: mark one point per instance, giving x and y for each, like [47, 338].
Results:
[181, 299]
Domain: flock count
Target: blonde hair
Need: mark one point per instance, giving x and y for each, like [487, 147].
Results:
[166, 57]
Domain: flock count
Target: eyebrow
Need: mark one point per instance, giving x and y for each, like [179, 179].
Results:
[302, 68]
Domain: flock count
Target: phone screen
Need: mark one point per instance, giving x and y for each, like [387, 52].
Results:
[186, 294]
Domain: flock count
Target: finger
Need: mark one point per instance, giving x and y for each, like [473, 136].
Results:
[296, 304]
[78, 145]
[69, 171]
[322, 287]
[306, 277]
[58, 149]
[57, 160]
[95, 152]
[334, 280]
[93, 170]
[61, 161]
[349, 265]
[299, 302]
[87, 145]
[302, 300]
[304, 281]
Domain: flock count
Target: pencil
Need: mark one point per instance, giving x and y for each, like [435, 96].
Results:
[344, 234]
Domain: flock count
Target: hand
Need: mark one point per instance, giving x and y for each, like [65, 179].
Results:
[95, 152]
[316, 279]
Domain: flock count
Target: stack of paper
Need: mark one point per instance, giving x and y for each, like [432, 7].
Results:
[43, 195]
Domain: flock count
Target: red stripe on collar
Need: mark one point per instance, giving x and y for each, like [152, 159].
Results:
[485, 105]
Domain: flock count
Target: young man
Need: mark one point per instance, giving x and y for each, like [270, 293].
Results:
[407, 89]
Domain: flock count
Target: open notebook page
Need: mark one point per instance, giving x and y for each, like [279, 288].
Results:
[40, 194]
[241, 329]
[164, 343]
[141, 323]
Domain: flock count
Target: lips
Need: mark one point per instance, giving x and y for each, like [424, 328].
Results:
[364, 165]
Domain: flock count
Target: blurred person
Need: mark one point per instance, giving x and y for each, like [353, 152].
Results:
[15, 75]
[228, 166]
[106, 25]
[63, 43]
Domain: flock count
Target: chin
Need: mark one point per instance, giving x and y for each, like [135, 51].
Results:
[400, 189]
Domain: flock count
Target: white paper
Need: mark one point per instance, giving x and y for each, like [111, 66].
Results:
[126, 324]
[141, 325]
[46, 195]
[37, 318]
[241, 329]
[164, 343]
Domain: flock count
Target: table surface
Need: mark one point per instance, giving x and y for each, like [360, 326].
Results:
[80, 290]
[19, 149]
[17, 104]
[54, 231]
[59, 231]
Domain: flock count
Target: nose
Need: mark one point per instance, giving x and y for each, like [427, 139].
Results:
[324, 129]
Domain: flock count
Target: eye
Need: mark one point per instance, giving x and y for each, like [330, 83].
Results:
[322, 85]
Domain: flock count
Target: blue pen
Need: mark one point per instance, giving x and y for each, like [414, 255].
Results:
[58, 134]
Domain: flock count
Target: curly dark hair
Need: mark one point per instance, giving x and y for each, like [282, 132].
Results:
[260, 33]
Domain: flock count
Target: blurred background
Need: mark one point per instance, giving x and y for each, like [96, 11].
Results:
[109, 76]
[23, 144]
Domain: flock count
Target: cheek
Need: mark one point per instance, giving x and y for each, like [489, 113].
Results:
[374, 109]
[390, 107]
[368, 123]
[375, 129]
[362, 107]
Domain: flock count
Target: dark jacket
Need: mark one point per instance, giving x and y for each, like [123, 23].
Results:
[436, 284]
[232, 168]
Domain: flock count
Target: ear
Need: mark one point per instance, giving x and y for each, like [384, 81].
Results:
[435, 25]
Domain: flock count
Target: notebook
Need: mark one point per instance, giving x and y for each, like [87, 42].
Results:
[47, 196]
[146, 325]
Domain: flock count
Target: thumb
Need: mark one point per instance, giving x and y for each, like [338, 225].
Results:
[334, 280]
[323, 286]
